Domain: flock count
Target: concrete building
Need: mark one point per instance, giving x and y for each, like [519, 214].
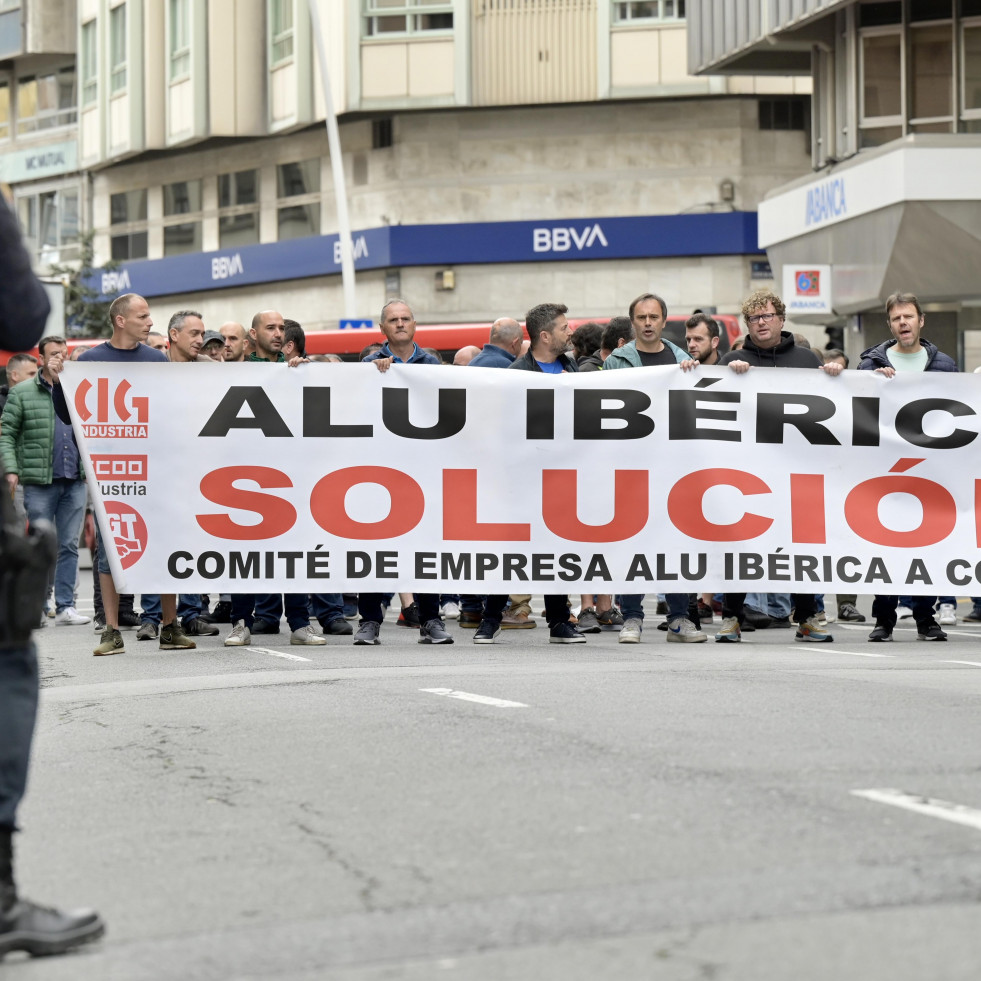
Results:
[535, 150]
[894, 199]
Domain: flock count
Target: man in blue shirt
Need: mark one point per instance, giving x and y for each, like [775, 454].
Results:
[502, 346]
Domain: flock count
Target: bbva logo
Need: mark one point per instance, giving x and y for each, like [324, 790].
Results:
[563, 239]
[115, 282]
[226, 266]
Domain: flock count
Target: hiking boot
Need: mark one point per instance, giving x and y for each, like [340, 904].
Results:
[265, 627]
[487, 632]
[450, 611]
[367, 633]
[470, 619]
[240, 635]
[813, 631]
[929, 630]
[172, 638]
[848, 613]
[199, 628]
[112, 643]
[148, 631]
[588, 624]
[880, 634]
[307, 637]
[683, 631]
[947, 615]
[517, 621]
[565, 633]
[70, 617]
[409, 617]
[610, 620]
[434, 632]
[630, 631]
[729, 632]
[338, 628]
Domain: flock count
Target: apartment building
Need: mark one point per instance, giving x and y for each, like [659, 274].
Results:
[496, 154]
[894, 199]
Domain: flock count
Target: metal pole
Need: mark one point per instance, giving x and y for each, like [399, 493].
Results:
[337, 169]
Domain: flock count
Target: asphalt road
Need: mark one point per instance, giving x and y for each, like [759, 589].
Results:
[659, 811]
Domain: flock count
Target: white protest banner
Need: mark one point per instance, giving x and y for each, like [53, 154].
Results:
[331, 478]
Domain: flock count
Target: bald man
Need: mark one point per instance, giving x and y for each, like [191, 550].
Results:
[502, 346]
[235, 341]
[466, 354]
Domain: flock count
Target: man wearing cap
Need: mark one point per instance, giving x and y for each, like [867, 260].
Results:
[213, 346]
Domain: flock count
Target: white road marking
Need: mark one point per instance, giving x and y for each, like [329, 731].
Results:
[974, 664]
[468, 697]
[930, 806]
[831, 650]
[272, 653]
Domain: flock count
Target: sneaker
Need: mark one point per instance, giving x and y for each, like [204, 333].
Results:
[662, 608]
[929, 630]
[947, 617]
[517, 621]
[450, 611]
[240, 635]
[880, 634]
[729, 632]
[128, 620]
[99, 623]
[487, 632]
[434, 632]
[41, 931]
[705, 612]
[112, 643]
[565, 633]
[821, 617]
[611, 619]
[307, 637]
[199, 628]
[975, 615]
[222, 613]
[70, 617]
[849, 614]
[367, 633]
[470, 619]
[588, 624]
[338, 628]
[148, 631]
[409, 617]
[350, 606]
[755, 619]
[780, 623]
[813, 631]
[903, 612]
[683, 631]
[172, 638]
[265, 627]
[49, 607]
[631, 631]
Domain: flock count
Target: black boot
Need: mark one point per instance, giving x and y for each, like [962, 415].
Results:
[36, 929]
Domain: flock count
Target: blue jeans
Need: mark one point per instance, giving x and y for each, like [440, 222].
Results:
[63, 503]
[18, 709]
[632, 606]
[188, 607]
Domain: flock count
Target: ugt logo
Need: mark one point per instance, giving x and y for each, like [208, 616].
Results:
[808, 282]
[128, 530]
[118, 415]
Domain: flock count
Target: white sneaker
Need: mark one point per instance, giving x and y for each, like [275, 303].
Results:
[70, 617]
[903, 612]
[631, 631]
[683, 631]
[450, 611]
[240, 635]
[947, 616]
[49, 607]
[307, 637]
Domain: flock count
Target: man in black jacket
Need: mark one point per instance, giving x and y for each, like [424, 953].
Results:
[25, 926]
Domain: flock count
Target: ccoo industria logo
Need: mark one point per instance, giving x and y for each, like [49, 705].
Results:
[111, 414]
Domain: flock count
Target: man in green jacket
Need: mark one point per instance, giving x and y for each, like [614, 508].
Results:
[39, 452]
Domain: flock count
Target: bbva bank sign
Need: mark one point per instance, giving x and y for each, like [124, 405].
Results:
[567, 239]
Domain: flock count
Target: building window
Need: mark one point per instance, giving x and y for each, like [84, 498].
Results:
[238, 208]
[117, 48]
[4, 109]
[46, 101]
[127, 213]
[971, 62]
[784, 113]
[90, 66]
[182, 198]
[384, 17]
[49, 220]
[882, 87]
[631, 11]
[381, 133]
[180, 39]
[932, 77]
[298, 191]
[281, 21]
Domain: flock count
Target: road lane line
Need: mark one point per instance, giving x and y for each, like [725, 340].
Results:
[469, 697]
[974, 664]
[272, 653]
[930, 806]
[831, 650]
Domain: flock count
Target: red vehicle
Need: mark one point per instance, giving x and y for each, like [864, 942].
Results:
[445, 338]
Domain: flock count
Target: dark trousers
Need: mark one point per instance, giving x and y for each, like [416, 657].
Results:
[803, 603]
[370, 606]
[18, 710]
[884, 609]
